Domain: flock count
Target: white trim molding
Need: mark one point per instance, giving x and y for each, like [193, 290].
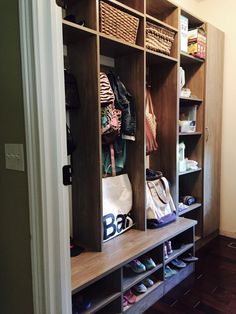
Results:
[45, 118]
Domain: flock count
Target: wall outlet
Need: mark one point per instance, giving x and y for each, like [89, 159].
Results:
[14, 156]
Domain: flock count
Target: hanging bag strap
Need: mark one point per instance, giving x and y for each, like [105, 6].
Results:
[149, 103]
[113, 164]
[165, 198]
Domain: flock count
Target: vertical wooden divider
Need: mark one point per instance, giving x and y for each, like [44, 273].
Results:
[132, 71]
[85, 126]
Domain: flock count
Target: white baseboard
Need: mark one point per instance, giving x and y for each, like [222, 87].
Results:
[228, 234]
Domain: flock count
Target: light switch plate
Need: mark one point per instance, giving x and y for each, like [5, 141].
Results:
[14, 156]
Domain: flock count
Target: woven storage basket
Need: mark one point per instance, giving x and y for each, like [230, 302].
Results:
[117, 23]
[159, 38]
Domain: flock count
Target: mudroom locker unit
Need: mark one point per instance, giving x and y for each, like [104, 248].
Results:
[99, 272]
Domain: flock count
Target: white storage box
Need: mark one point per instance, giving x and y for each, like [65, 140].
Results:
[187, 119]
[184, 34]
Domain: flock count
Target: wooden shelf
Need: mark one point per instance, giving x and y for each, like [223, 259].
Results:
[190, 100]
[197, 238]
[189, 172]
[157, 58]
[135, 4]
[124, 7]
[190, 208]
[157, 286]
[180, 276]
[73, 32]
[89, 266]
[178, 252]
[130, 278]
[188, 59]
[113, 47]
[190, 133]
[161, 23]
[99, 300]
[163, 10]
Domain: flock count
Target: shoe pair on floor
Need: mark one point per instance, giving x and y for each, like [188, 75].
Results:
[138, 266]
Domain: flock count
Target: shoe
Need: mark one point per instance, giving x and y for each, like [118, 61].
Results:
[148, 282]
[137, 266]
[169, 272]
[169, 247]
[148, 262]
[189, 258]
[140, 288]
[82, 303]
[165, 252]
[125, 301]
[178, 263]
[130, 297]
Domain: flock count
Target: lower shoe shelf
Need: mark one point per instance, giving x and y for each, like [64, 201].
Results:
[158, 290]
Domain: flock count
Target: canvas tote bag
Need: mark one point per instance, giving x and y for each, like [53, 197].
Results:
[159, 204]
[117, 204]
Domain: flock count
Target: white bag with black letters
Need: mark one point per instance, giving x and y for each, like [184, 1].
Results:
[117, 205]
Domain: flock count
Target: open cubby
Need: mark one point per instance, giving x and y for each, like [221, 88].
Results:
[82, 10]
[193, 148]
[140, 33]
[134, 4]
[194, 77]
[190, 184]
[135, 165]
[100, 271]
[162, 79]
[164, 11]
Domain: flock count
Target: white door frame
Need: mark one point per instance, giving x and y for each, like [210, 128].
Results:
[43, 88]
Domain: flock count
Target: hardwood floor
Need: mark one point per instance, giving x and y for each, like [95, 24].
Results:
[211, 290]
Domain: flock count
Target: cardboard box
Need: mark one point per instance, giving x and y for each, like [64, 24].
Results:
[184, 34]
[197, 42]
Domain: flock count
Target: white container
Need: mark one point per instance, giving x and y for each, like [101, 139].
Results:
[184, 34]
[187, 119]
[182, 160]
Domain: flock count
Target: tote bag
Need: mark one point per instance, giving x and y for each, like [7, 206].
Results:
[159, 204]
[151, 124]
[117, 204]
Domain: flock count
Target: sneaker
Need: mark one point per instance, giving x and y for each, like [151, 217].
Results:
[169, 247]
[165, 252]
[148, 282]
[82, 303]
[140, 288]
[148, 262]
[137, 266]
[125, 301]
[178, 263]
[130, 297]
[189, 258]
[169, 272]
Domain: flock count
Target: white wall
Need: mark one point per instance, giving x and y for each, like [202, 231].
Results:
[222, 15]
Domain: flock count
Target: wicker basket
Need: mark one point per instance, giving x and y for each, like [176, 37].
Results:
[117, 23]
[159, 38]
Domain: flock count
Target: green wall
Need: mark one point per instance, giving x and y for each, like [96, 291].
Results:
[15, 260]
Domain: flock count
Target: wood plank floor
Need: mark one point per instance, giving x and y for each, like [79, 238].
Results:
[211, 290]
